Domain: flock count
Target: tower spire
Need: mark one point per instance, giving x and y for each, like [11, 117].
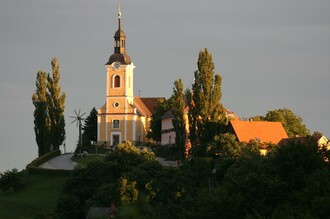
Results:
[119, 54]
[119, 16]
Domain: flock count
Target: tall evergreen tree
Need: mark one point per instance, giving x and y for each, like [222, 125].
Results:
[206, 113]
[178, 114]
[56, 105]
[41, 116]
[90, 128]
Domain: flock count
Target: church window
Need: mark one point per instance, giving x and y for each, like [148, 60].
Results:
[116, 81]
[115, 124]
[116, 104]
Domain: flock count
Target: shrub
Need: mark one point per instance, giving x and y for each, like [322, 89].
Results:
[10, 180]
[168, 152]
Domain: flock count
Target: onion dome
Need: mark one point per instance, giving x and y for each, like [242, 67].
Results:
[119, 54]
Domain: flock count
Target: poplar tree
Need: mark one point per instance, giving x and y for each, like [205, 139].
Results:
[41, 117]
[178, 115]
[206, 113]
[56, 101]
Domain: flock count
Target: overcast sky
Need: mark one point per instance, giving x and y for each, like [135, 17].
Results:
[270, 54]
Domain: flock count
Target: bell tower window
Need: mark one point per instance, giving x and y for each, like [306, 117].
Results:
[116, 81]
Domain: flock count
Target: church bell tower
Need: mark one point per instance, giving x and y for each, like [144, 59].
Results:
[114, 116]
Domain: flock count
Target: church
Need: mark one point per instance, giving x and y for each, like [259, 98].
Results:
[123, 117]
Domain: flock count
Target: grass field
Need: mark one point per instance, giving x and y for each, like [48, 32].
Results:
[38, 196]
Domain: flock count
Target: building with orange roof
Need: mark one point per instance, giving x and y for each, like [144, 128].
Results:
[261, 131]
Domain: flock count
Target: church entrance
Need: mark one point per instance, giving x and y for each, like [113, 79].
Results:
[115, 139]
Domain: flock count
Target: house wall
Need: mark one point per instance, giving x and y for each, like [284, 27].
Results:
[168, 138]
[167, 123]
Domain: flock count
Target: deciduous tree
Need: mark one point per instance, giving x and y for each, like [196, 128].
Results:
[41, 114]
[49, 101]
[207, 115]
[178, 121]
[56, 105]
[292, 123]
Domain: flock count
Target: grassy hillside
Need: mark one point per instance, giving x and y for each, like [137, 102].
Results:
[38, 196]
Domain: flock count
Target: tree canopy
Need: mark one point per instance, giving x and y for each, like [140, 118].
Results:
[178, 121]
[41, 117]
[49, 103]
[162, 106]
[56, 105]
[291, 181]
[90, 128]
[206, 113]
[292, 123]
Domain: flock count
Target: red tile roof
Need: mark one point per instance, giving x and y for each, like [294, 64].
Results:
[151, 102]
[142, 108]
[270, 132]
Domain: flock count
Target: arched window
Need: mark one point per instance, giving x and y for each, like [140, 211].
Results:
[116, 81]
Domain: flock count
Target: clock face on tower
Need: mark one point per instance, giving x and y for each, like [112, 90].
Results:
[116, 65]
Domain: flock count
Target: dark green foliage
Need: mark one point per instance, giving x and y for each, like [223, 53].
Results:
[224, 145]
[41, 116]
[10, 180]
[49, 122]
[206, 113]
[90, 128]
[291, 122]
[85, 181]
[193, 174]
[36, 199]
[258, 188]
[121, 192]
[150, 177]
[69, 207]
[103, 182]
[178, 121]
[155, 123]
[292, 181]
[169, 152]
[297, 160]
[128, 156]
[56, 102]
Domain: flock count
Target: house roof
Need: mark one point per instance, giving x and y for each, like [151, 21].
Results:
[262, 131]
[142, 108]
[151, 102]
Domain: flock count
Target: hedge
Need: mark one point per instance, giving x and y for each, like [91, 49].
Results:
[48, 172]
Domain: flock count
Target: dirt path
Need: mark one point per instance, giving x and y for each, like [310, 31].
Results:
[62, 162]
